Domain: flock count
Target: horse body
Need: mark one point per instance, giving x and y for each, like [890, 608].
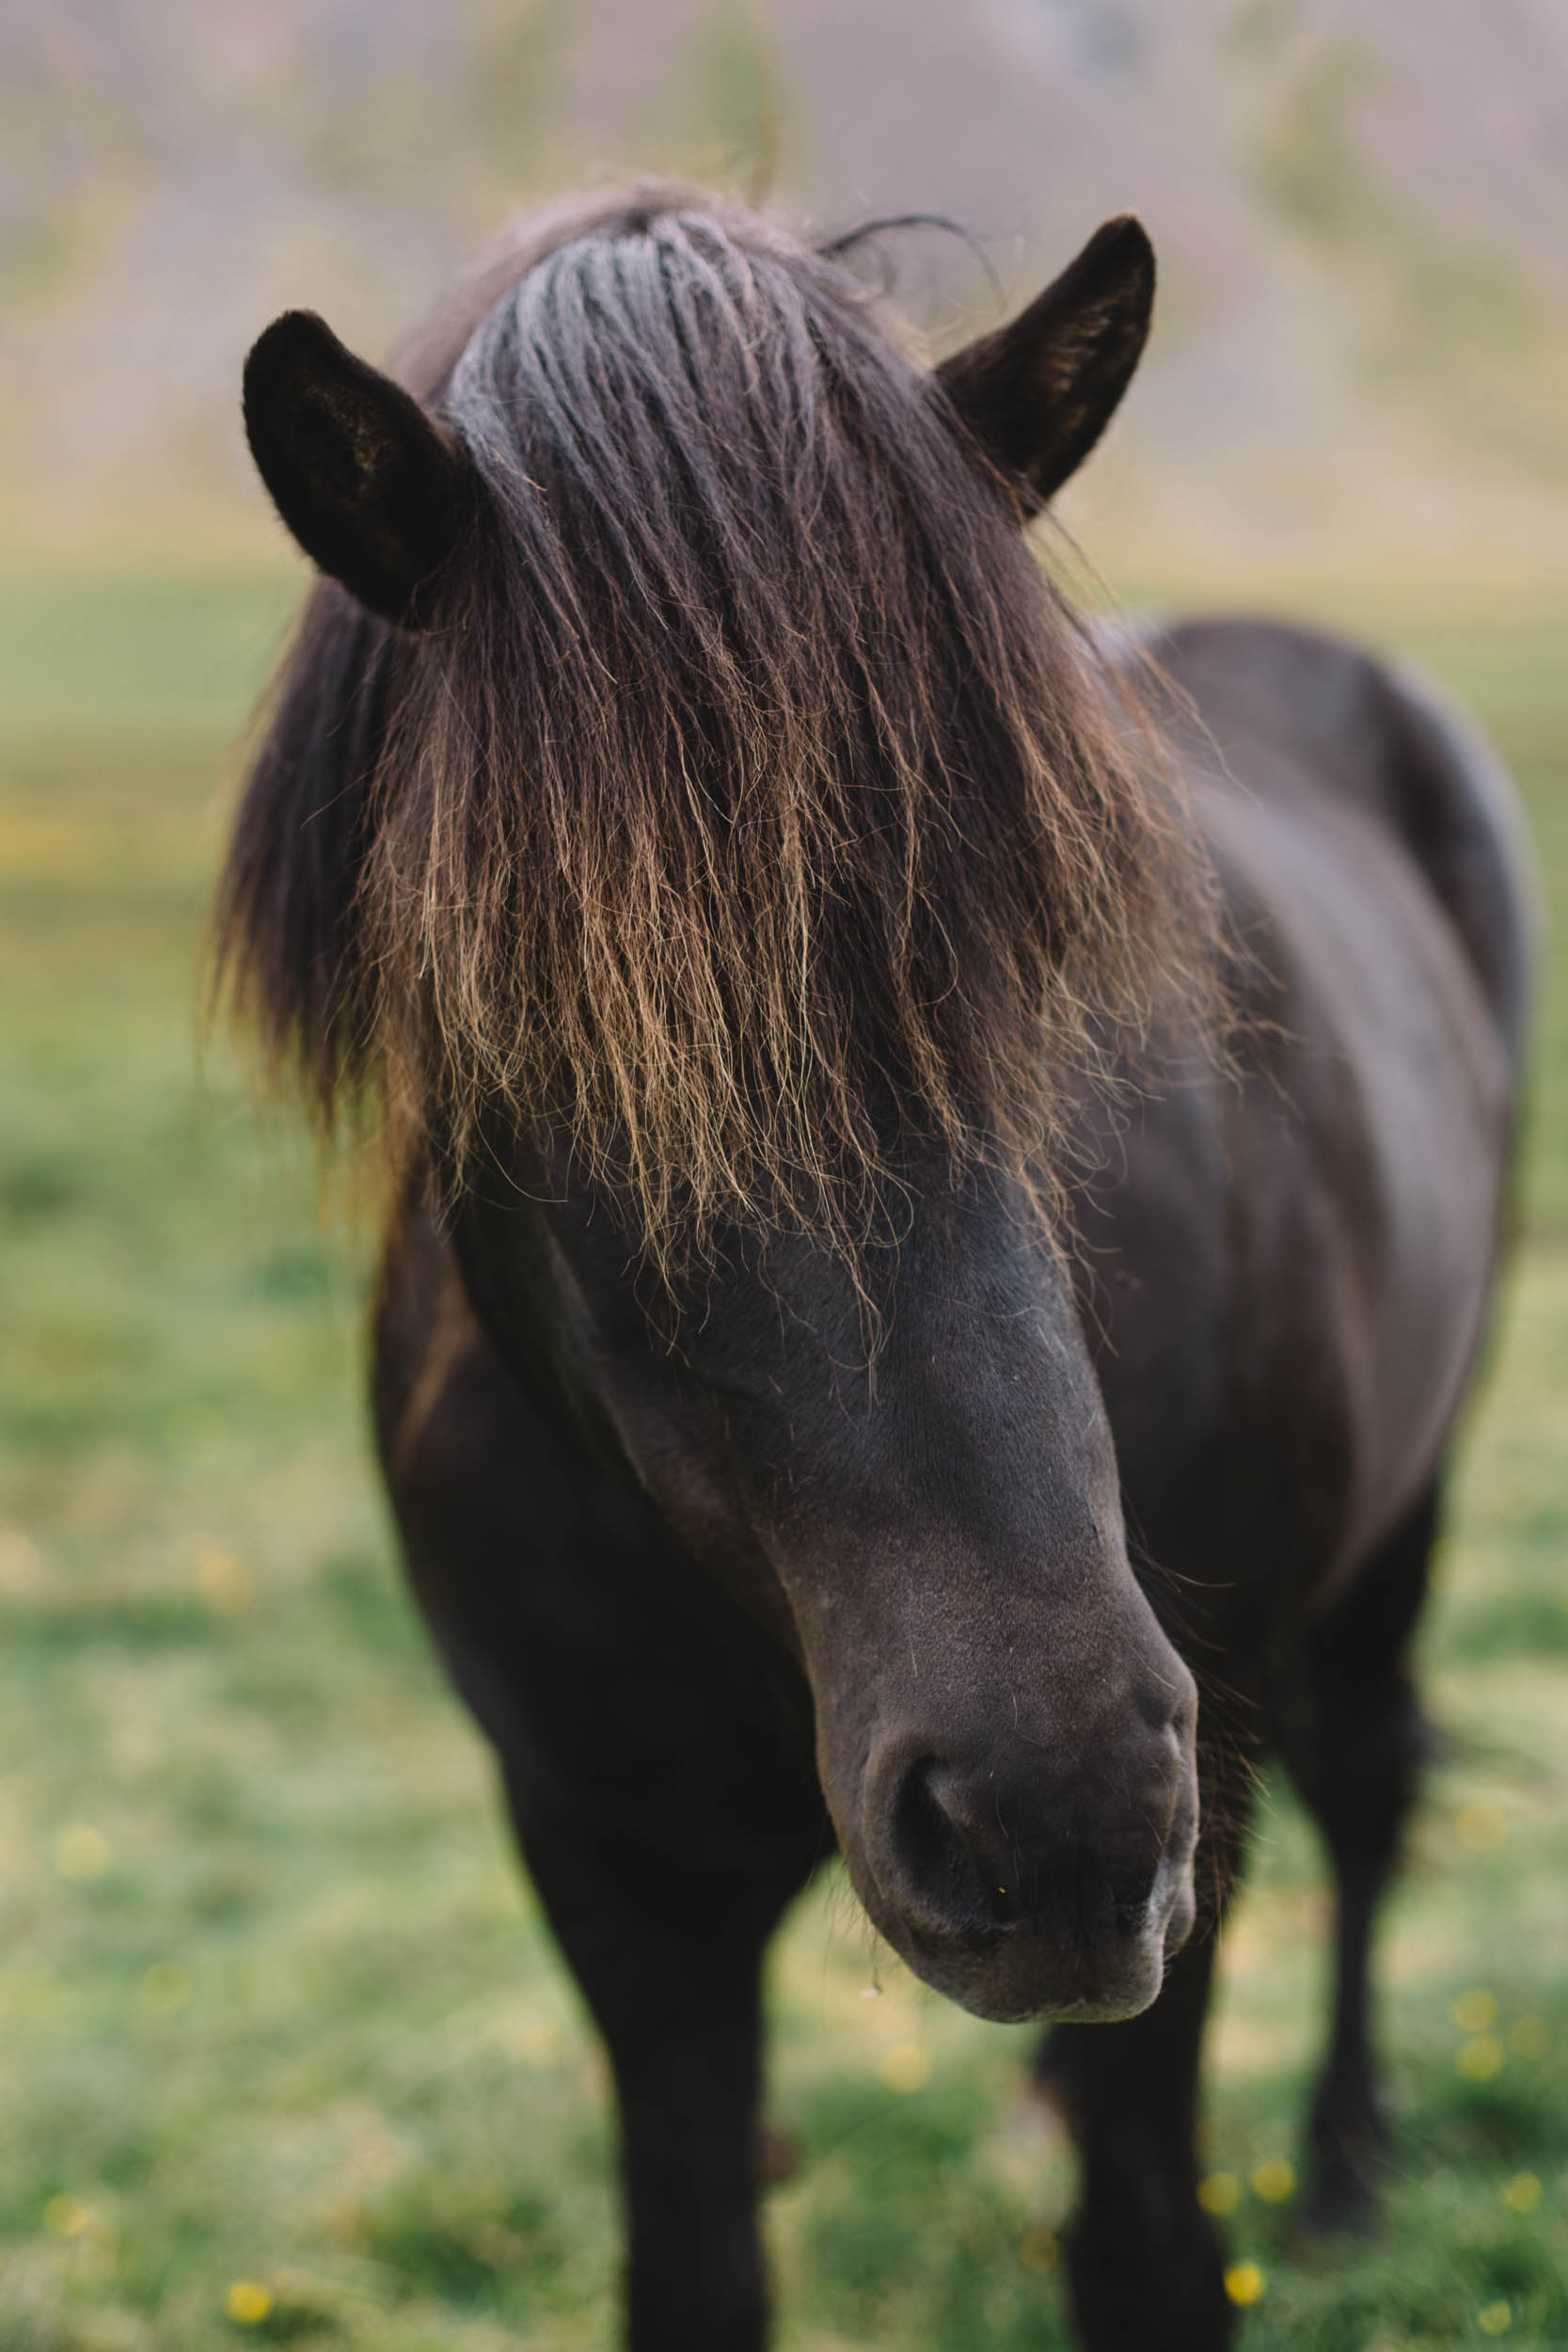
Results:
[724, 1586]
[1344, 1201]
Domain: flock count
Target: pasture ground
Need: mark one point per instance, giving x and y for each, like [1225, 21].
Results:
[287, 2055]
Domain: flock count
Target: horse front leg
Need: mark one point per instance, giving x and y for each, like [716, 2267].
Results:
[658, 1764]
[1144, 2266]
[669, 1957]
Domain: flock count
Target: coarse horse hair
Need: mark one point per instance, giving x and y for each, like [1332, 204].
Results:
[749, 795]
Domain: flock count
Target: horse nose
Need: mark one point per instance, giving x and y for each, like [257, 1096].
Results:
[972, 1852]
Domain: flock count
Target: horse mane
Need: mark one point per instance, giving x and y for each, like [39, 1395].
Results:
[753, 798]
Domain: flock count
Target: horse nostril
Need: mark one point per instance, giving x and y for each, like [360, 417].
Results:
[970, 1856]
[951, 1882]
[1131, 1887]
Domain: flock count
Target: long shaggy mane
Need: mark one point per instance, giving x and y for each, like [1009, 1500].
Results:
[753, 803]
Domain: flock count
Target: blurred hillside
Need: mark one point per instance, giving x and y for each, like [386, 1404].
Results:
[1360, 205]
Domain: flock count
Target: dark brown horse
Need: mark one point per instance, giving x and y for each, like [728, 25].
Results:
[950, 1178]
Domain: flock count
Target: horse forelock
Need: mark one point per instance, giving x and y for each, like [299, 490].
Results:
[753, 798]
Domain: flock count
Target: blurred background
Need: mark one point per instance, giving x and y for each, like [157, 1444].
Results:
[287, 2055]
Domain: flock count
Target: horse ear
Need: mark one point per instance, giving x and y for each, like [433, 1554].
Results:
[375, 491]
[1039, 393]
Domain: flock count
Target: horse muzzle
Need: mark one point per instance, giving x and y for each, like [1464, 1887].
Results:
[1022, 1893]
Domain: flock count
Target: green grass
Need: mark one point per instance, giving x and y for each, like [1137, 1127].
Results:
[274, 2008]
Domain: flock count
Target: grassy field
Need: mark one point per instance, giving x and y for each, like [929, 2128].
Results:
[287, 2055]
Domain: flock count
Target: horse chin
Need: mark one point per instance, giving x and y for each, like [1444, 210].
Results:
[1024, 1972]
[1019, 1980]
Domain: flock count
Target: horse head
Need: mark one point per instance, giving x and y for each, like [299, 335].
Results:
[744, 854]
